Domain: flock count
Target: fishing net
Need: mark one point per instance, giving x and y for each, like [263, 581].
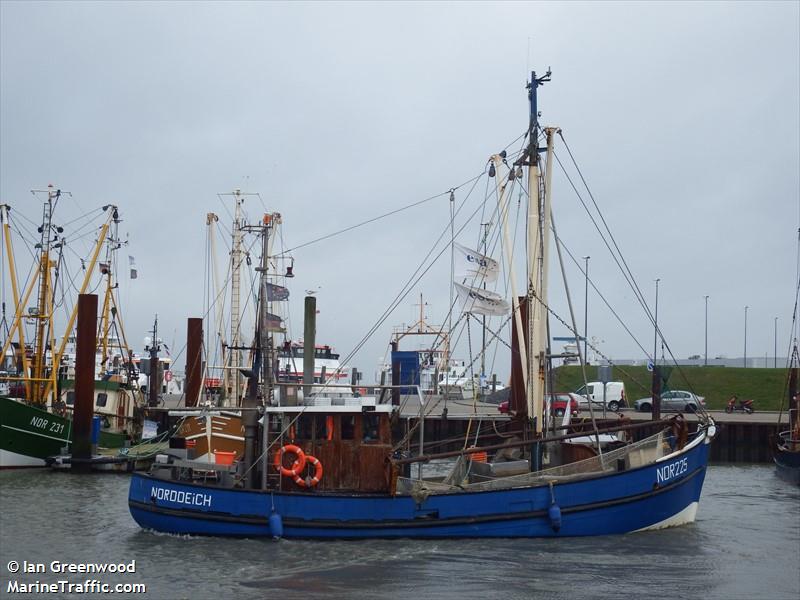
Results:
[634, 455]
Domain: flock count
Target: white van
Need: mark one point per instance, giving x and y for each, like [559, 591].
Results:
[614, 394]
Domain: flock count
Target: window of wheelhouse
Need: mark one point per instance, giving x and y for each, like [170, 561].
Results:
[322, 429]
[302, 428]
[70, 398]
[312, 427]
[370, 427]
[348, 427]
[102, 399]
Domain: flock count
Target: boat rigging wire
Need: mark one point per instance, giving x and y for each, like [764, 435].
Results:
[379, 217]
[792, 358]
[416, 276]
[625, 270]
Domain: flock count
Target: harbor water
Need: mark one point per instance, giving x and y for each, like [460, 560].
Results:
[744, 544]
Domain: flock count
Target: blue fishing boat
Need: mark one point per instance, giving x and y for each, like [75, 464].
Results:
[332, 462]
[786, 451]
[663, 493]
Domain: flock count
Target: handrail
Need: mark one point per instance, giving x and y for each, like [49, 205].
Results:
[518, 444]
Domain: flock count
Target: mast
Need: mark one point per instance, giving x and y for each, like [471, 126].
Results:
[509, 252]
[86, 279]
[263, 355]
[483, 320]
[154, 381]
[233, 377]
[42, 316]
[536, 342]
[110, 318]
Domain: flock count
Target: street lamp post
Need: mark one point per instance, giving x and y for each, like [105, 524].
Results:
[775, 358]
[745, 336]
[586, 311]
[705, 360]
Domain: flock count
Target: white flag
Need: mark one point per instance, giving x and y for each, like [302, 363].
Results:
[474, 264]
[481, 302]
[134, 272]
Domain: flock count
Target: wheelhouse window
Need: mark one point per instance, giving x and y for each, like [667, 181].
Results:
[303, 428]
[70, 398]
[348, 427]
[321, 428]
[370, 427]
[102, 399]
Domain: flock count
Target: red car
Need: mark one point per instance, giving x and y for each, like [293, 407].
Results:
[558, 401]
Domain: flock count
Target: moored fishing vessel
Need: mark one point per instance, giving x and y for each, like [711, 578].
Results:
[340, 466]
[786, 446]
[35, 414]
[786, 450]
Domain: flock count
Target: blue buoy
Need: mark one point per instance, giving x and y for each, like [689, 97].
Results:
[95, 430]
[555, 516]
[276, 525]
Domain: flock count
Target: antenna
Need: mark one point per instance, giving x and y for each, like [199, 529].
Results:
[528, 63]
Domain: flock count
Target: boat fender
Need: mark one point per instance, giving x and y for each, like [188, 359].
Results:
[554, 513]
[297, 466]
[310, 481]
[275, 526]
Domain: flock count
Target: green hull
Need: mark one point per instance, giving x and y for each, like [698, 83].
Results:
[35, 433]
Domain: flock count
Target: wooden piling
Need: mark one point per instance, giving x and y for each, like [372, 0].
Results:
[194, 359]
[84, 383]
[309, 344]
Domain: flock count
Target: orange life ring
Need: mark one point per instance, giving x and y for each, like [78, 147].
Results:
[317, 473]
[297, 466]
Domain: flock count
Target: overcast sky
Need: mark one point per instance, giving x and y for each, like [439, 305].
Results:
[683, 118]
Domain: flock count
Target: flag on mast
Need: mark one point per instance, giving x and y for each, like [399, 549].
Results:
[476, 265]
[481, 302]
[274, 323]
[276, 293]
[132, 262]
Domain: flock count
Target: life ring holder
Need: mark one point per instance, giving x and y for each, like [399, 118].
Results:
[311, 481]
[297, 466]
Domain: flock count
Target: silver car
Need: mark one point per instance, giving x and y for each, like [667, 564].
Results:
[678, 400]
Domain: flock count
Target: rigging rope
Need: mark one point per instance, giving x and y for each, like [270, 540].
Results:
[379, 217]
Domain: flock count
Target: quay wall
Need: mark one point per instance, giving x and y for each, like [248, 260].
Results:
[739, 439]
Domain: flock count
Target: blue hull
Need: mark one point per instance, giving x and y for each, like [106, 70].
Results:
[652, 496]
[787, 465]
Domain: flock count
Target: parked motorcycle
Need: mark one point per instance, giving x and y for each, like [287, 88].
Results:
[734, 405]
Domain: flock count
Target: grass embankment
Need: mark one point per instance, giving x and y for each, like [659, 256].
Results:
[717, 384]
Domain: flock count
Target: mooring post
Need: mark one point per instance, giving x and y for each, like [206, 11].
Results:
[194, 360]
[84, 383]
[250, 422]
[309, 344]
